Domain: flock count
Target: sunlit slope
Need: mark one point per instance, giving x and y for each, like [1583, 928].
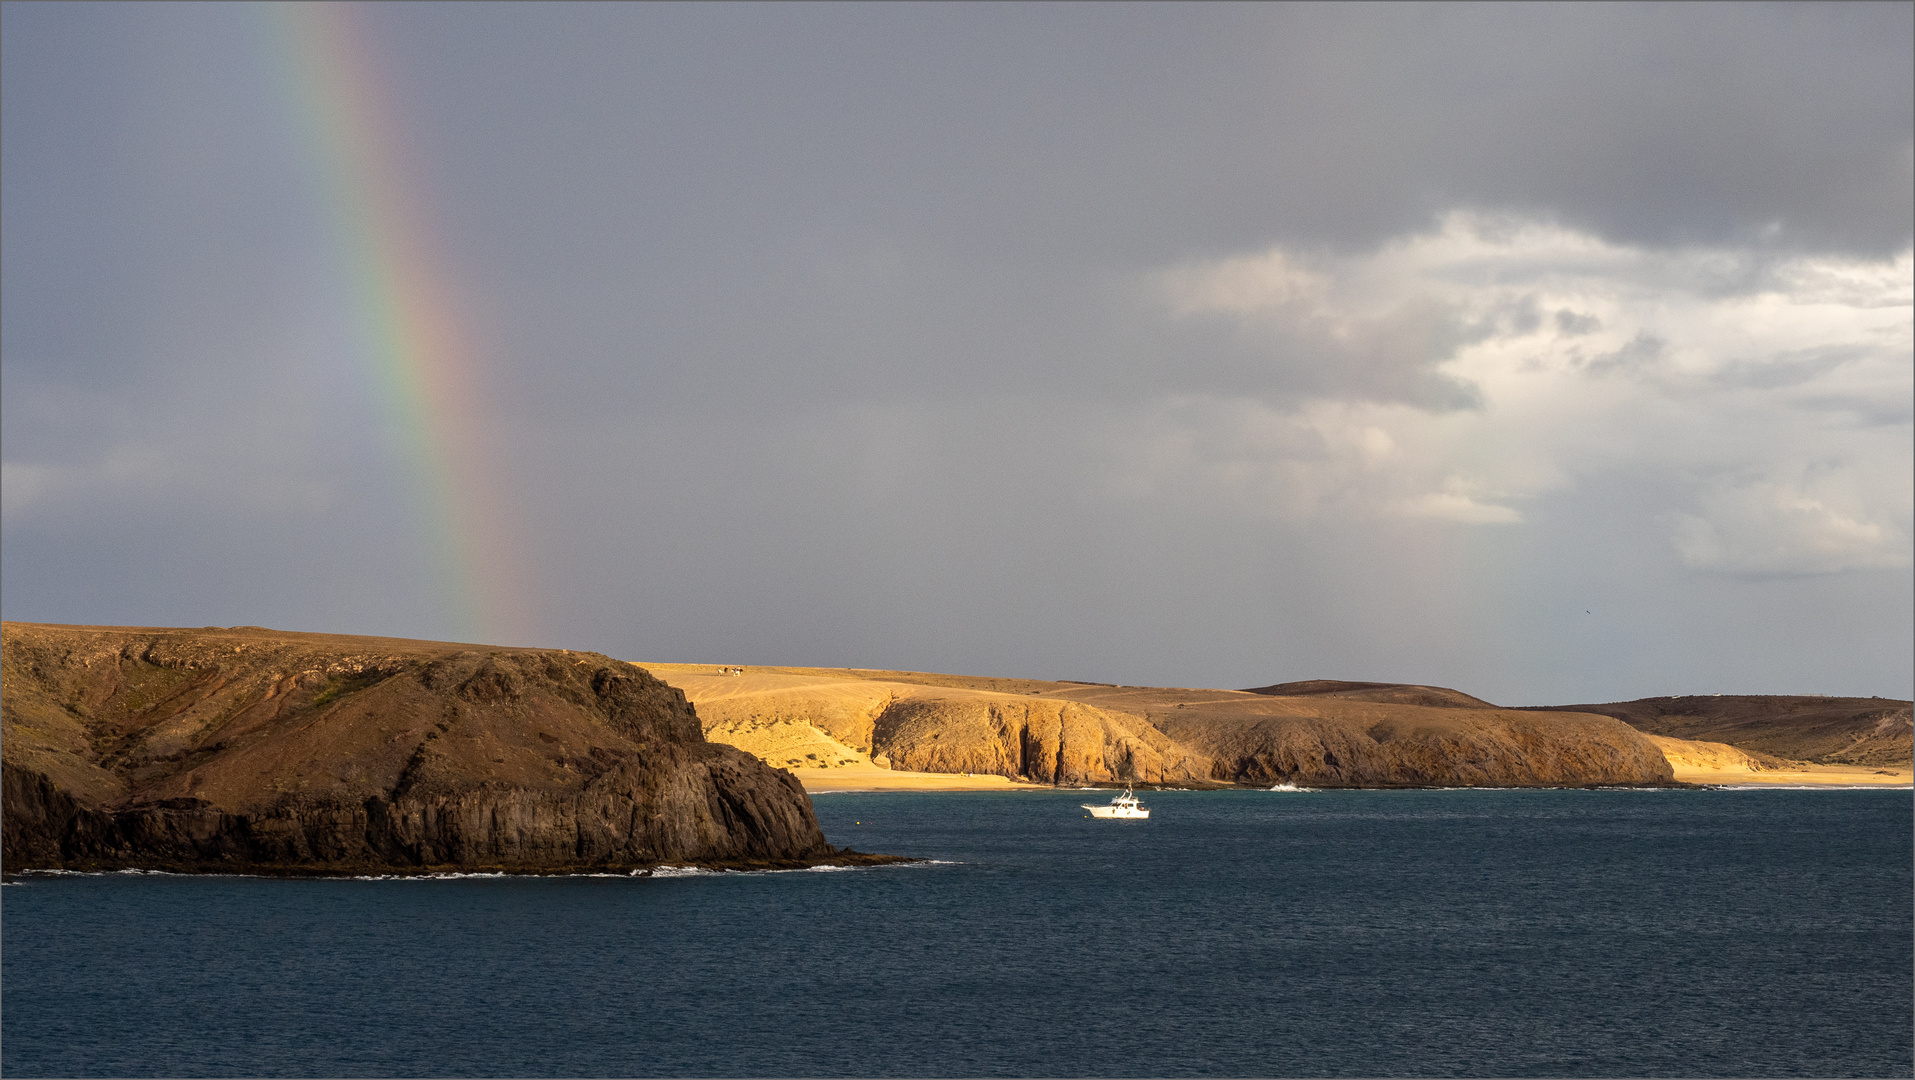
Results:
[928, 723]
[1064, 732]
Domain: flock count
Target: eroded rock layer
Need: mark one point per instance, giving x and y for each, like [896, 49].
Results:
[255, 749]
[1325, 734]
[944, 729]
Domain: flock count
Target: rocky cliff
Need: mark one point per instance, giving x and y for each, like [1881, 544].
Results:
[944, 728]
[249, 749]
[1320, 733]
[1340, 743]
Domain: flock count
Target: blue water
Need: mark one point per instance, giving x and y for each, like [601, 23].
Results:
[1405, 933]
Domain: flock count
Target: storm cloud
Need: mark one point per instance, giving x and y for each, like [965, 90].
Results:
[1551, 352]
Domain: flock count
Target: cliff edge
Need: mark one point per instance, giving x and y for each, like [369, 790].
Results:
[251, 750]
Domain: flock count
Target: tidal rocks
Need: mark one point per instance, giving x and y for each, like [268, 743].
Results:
[249, 749]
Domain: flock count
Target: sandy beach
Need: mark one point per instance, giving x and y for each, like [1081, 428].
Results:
[876, 778]
[1804, 775]
[1698, 762]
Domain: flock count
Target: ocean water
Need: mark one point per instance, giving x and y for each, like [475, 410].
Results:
[1344, 933]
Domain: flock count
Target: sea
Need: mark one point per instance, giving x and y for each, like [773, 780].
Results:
[1472, 933]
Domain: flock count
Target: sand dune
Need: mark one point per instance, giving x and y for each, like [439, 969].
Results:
[1699, 762]
[1690, 755]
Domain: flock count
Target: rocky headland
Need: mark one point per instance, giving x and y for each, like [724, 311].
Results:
[250, 750]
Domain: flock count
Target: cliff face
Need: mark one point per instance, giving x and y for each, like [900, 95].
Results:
[210, 749]
[1342, 743]
[1320, 734]
[946, 729]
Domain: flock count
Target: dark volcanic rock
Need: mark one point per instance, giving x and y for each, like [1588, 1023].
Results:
[249, 749]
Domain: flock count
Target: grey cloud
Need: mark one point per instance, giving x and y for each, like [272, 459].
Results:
[1008, 159]
[1287, 357]
[817, 332]
[1642, 354]
[1301, 123]
[1789, 369]
[1881, 410]
[1573, 324]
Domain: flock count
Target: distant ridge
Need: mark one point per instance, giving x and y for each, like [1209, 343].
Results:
[1800, 727]
[1332, 734]
[1440, 697]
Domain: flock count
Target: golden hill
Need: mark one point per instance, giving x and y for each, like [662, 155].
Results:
[1369, 735]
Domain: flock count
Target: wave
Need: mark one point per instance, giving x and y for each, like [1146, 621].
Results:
[1903, 788]
[1554, 787]
[454, 875]
[133, 871]
[662, 872]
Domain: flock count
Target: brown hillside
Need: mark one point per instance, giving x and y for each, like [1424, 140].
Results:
[1068, 733]
[1824, 730]
[1332, 740]
[1386, 693]
[250, 748]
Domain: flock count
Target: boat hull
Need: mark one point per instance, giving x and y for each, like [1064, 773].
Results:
[1136, 813]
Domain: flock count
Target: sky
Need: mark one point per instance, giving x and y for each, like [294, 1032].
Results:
[1554, 353]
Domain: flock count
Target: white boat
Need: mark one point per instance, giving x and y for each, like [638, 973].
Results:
[1121, 806]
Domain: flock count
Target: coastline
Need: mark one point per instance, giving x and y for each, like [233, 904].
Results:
[1804, 775]
[863, 778]
[840, 858]
[868, 777]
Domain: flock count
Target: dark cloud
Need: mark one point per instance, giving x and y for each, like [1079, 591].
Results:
[1572, 324]
[1791, 368]
[1639, 356]
[820, 334]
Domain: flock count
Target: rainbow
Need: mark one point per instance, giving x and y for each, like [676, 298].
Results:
[411, 343]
